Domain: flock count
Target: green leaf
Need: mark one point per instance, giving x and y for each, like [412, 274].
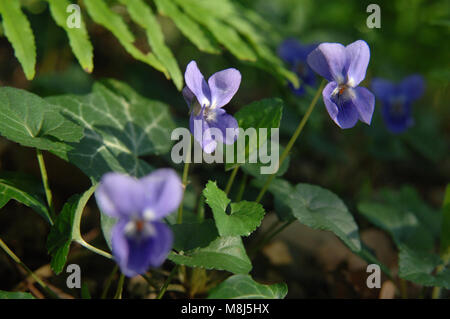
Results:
[244, 287]
[101, 14]
[223, 32]
[25, 190]
[142, 14]
[318, 208]
[191, 235]
[78, 37]
[224, 253]
[243, 219]
[445, 232]
[419, 267]
[404, 216]
[19, 33]
[119, 127]
[15, 295]
[188, 27]
[263, 114]
[29, 120]
[66, 229]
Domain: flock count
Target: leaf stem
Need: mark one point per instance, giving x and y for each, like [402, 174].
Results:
[96, 250]
[187, 161]
[436, 294]
[119, 290]
[48, 193]
[14, 257]
[292, 140]
[231, 179]
[167, 282]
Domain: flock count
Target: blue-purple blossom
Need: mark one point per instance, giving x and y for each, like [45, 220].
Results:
[205, 100]
[397, 101]
[344, 68]
[294, 54]
[140, 239]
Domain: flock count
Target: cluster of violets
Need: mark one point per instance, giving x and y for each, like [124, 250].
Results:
[140, 239]
[345, 68]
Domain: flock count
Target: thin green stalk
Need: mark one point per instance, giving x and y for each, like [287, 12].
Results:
[93, 249]
[48, 193]
[231, 179]
[201, 208]
[270, 234]
[167, 282]
[187, 161]
[108, 282]
[118, 294]
[292, 140]
[242, 188]
[28, 270]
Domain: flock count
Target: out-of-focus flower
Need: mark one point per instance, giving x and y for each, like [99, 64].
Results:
[206, 99]
[344, 68]
[140, 239]
[397, 100]
[294, 54]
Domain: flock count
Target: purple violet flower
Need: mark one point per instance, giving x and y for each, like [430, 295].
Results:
[140, 239]
[397, 101]
[344, 68]
[294, 54]
[206, 100]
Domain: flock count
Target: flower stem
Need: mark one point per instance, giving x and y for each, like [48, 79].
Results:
[119, 290]
[231, 179]
[167, 282]
[109, 281]
[292, 140]
[48, 193]
[187, 161]
[28, 270]
[241, 188]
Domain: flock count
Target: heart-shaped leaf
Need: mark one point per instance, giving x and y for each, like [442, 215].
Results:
[243, 219]
[244, 287]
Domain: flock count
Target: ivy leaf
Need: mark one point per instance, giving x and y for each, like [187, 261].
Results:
[244, 218]
[19, 33]
[103, 15]
[224, 253]
[29, 120]
[66, 229]
[25, 190]
[318, 208]
[190, 29]
[244, 287]
[119, 127]
[142, 14]
[263, 114]
[419, 267]
[78, 37]
[15, 295]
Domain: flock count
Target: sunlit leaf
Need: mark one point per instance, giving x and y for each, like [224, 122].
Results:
[244, 287]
